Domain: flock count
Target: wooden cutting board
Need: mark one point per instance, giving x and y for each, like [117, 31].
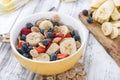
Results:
[111, 46]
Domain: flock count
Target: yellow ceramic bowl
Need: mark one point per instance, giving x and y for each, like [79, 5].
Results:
[53, 67]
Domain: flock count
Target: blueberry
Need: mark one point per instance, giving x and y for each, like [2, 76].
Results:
[53, 57]
[89, 20]
[56, 24]
[23, 37]
[50, 35]
[85, 12]
[25, 45]
[50, 30]
[91, 13]
[76, 37]
[72, 33]
[27, 55]
[42, 31]
[28, 49]
[29, 25]
[45, 42]
[21, 50]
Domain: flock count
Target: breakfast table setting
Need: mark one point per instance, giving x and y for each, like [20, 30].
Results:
[100, 57]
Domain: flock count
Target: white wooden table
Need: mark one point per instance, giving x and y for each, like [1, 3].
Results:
[98, 64]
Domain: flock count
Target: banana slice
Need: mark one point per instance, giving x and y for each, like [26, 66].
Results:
[116, 24]
[116, 2]
[115, 33]
[53, 48]
[57, 40]
[34, 38]
[106, 28]
[119, 30]
[42, 57]
[103, 13]
[115, 15]
[34, 53]
[97, 3]
[68, 46]
[62, 30]
[45, 25]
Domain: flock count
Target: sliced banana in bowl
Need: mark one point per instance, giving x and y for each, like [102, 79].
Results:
[41, 62]
[68, 46]
[34, 38]
[46, 24]
[62, 30]
[42, 57]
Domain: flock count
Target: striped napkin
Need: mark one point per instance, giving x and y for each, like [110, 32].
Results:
[7, 6]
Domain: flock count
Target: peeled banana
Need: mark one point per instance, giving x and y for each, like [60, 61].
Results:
[106, 28]
[119, 31]
[116, 24]
[97, 3]
[115, 33]
[115, 15]
[116, 2]
[103, 13]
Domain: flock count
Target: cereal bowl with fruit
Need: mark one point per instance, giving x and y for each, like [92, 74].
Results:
[48, 43]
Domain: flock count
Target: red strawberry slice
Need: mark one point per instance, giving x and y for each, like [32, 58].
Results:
[68, 35]
[54, 33]
[40, 49]
[48, 46]
[61, 56]
[59, 35]
[50, 39]
[20, 43]
[25, 31]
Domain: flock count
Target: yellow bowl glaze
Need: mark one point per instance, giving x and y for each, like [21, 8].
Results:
[53, 67]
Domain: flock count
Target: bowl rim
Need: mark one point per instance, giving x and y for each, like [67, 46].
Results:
[48, 62]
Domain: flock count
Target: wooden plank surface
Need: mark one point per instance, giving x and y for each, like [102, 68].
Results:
[98, 64]
[111, 46]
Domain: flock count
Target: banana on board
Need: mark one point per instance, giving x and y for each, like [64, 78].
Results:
[97, 3]
[115, 15]
[111, 29]
[103, 13]
[116, 2]
[116, 24]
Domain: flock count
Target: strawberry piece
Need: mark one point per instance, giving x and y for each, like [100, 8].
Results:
[50, 39]
[20, 43]
[68, 35]
[54, 33]
[59, 35]
[61, 56]
[25, 31]
[48, 46]
[40, 49]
